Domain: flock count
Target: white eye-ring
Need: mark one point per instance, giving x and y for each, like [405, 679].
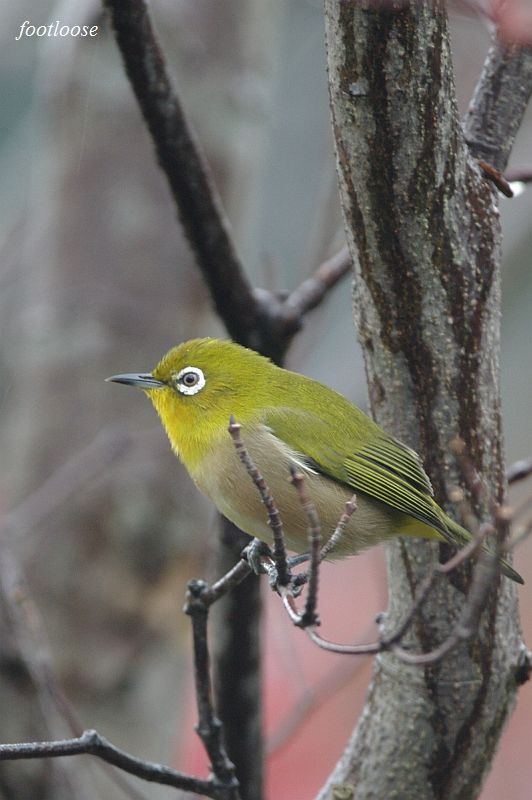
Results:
[190, 380]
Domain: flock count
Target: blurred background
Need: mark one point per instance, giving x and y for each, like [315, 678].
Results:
[95, 279]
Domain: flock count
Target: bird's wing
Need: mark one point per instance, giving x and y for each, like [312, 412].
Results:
[374, 463]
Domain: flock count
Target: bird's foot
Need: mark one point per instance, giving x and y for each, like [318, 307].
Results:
[256, 554]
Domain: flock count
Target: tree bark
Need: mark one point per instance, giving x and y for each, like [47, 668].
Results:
[423, 230]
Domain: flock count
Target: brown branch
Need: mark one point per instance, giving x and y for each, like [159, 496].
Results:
[497, 178]
[227, 583]
[415, 224]
[30, 636]
[237, 658]
[463, 555]
[25, 618]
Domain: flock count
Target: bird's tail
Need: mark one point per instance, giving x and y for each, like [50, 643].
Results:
[459, 537]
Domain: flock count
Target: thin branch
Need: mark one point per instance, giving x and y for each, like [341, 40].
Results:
[223, 785]
[484, 574]
[229, 581]
[312, 291]
[33, 646]
[497, 178]
[309, 618]
[333, 542]
[463, 555]
[91, 743]
[499, 103]
[209, 727]
[465, 626]
[237, 660]
[274, 518]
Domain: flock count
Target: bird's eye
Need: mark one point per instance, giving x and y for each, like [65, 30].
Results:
[190, 380]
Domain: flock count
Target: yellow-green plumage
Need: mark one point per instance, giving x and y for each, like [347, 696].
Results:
[287, 418]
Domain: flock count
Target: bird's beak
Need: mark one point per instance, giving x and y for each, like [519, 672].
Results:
[143, 381]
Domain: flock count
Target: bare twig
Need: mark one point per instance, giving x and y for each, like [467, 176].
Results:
[309, 617]
[465, 626]
[447, 567]
[274, 518]
[91, 743]
[332, 543]
[311, 292]
[209, 727]
[237, 658]
[34, 650]
[228, 582]
[484, 574]
[223, 785]
[496, 177]
[254, 318]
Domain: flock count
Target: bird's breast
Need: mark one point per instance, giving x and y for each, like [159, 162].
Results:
[225, 480]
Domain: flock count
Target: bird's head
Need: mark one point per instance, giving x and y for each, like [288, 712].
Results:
[198, 385]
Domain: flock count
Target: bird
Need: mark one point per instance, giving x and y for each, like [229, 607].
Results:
[289, 420]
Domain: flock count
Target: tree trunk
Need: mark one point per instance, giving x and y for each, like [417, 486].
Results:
[423, 229]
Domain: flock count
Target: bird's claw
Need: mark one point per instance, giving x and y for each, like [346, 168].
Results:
[255, 553]
[260, 559]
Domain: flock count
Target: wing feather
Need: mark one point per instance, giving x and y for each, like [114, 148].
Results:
[370, 462]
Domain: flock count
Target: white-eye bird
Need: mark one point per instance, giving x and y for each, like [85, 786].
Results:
[289, 419]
